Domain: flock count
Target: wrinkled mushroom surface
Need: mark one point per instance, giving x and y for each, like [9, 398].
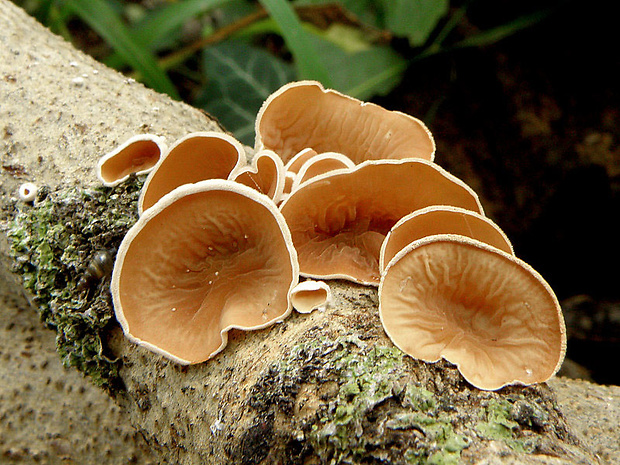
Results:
[484, 310]
[137, 155]
[208, 257]
[304, 115]
[442, 219]
[339, 220]
[196, 157]
[265, 174]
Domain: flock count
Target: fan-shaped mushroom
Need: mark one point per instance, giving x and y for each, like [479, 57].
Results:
[207, 258]
[339, 220]
[266, 174]
[196, 157]
[305, 115]
[486, 311]
[441, 219]
[138, 155]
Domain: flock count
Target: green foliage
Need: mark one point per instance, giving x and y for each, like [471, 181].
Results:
[241, 51]
[241, 78]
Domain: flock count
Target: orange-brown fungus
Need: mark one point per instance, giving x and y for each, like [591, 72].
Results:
[482, 309]
[137, 155]
[304, 115]
[339, 220]
[196, 157]
[266, 175]
[442, 220]
[321, 164]
[207, 258]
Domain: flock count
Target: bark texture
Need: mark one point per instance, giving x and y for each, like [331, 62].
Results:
[328, 387]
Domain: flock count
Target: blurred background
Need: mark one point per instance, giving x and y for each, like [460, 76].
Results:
[522, 98]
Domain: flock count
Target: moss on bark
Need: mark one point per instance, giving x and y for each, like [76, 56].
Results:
[53, 240]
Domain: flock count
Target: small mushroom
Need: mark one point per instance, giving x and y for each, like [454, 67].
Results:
[295, 163]
[304, 115]
[138, 155]
[339, 220]
[321, 164]
[441, 219]
[311, 295]
[196, 157]
[207, 258]
[292, 167]
[266, 175]
[480, 308]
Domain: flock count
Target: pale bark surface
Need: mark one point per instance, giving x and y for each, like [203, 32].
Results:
[280, 395]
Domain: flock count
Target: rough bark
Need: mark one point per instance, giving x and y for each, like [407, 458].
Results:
[322, 388]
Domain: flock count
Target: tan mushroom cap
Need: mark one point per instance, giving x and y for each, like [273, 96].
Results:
[305, 115]
[320, 164]
[339, 220]
[295, 163]
[486, 311]
[266, 174]
[441, 219]
[311, 295]
[207, 258]
[138, 155]
[196, 157]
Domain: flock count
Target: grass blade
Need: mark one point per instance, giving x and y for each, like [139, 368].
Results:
[309, 64]
[160, 23]
[104, 20]
[496, 34]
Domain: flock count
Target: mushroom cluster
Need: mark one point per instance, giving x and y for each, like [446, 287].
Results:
[337, 188]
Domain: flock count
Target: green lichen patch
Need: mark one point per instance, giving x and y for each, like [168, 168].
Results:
[498, 425]
[367, 408]
[53, 242]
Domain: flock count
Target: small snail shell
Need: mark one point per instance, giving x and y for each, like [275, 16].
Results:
[28, 191]
[99, 267]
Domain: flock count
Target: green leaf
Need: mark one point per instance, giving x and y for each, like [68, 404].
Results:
[106, 22]
[308, 61]
[362, 74]
[240, 78]
[161, 22]
[414, 19]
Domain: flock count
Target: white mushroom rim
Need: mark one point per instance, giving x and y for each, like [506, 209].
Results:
[327, 212]
[486, 311]
[206, 258]
[121, 165]
[377, 133]
[170, 160]
[470, 223]
[253, 175]
[311, 295]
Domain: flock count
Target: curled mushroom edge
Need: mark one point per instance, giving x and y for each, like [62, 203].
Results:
[310, 295]
[137, 155]
[300, 115]
[198, 156]
[504, 336]
[151, 323]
